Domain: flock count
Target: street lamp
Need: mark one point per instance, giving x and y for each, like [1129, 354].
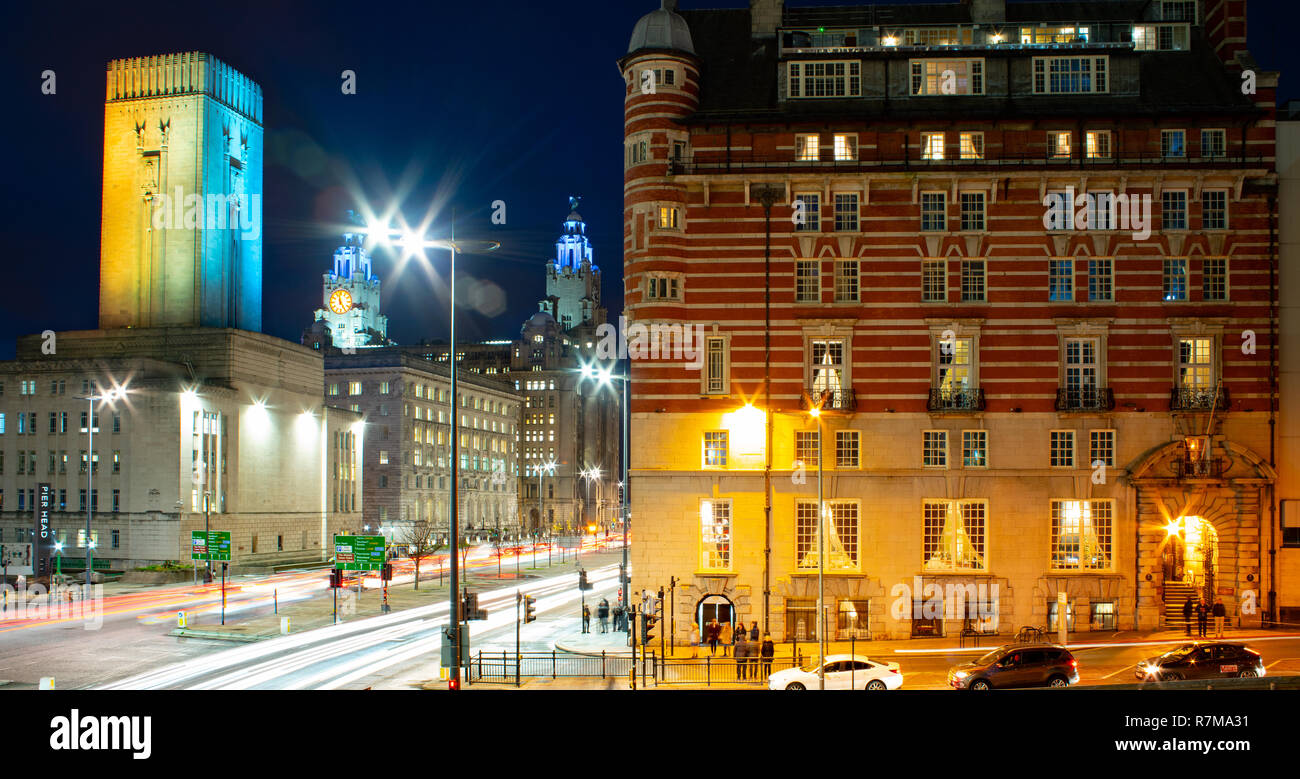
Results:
[605, 376]
[411, 242]
[110, 396]
[816, 413]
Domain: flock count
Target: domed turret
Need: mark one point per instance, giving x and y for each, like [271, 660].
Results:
[662, 29]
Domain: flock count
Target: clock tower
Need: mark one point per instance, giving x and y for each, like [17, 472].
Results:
[350, 296]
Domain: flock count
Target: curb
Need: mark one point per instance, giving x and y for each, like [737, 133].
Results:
[560, 647]
[220, 636]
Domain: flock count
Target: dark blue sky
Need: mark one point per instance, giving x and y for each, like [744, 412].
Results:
[516, 100]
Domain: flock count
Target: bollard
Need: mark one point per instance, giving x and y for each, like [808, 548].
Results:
[47, 683]
[181, 621]
[284, 626]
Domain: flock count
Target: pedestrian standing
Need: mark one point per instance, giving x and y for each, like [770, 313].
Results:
[586, 618]
[1187, 614]
[742, 656]
[1219, 614]
[725, 638]
[715, 632]
[766, 651]
[1202, 618]
[695, 640]
[753, 632]
[602, 614]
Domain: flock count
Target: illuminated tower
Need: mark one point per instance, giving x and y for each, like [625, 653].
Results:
[350, 298]
[572, 279]
[181, 237]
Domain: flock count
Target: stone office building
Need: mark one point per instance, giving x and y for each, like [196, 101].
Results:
[1017, 401]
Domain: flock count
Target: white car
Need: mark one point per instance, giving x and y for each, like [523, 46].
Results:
[843, 672]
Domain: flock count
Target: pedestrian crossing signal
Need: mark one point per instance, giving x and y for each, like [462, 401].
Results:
[530, 609]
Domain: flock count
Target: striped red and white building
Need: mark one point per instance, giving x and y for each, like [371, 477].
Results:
[856, 206]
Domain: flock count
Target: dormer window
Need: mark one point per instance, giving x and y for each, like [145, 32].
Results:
[825, 79]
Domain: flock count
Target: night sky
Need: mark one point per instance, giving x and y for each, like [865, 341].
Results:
[458, 103]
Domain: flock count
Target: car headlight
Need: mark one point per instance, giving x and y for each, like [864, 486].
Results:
[1150, 670]
[961, 674]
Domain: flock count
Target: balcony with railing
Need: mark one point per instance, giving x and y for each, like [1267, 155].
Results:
[829, 400]
[1203, 468]
[1198, 399]
[1085, 399]
[956, 401]
[906, 157]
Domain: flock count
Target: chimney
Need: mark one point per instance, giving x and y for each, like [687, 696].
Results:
[1225, 27]
[988, 11]
[764, 17]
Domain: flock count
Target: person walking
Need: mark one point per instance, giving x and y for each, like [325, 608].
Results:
[1202, 618]
[695, 640]
[602, 614]
[725, 638]
[767, 650]
[753, 632]
[715, 632]
[1219, 614]
[1187, 614]
[586, 618]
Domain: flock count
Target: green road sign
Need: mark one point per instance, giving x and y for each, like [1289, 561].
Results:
[210, 545]
[359, 553]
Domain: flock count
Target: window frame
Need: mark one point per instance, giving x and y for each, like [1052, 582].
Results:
[981, 215]
[723, 386]
[842, 447]
[855, 213]
[1095, 447]
[848, 286]
[1058, 549]
[1109, 277]
[726, 539]
[812, 222]
[1205, 279]
[850, 81]
[930, 84]
[983, 435]
[1041, 75]
[930, 548]
[1052, 448]
[802, 293]
[721, 455]
[931, 151]
[942, 211]
[934, 457]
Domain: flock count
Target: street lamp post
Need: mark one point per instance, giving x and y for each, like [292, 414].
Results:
[606, 376]
[453, 246]
[90, 471]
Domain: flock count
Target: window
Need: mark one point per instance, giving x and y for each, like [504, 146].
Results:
[825, 79]
[934, 281]
[1096, 144]
[1214, 209]
[669, 218]
[1081, 372]
[826, 366]
[934, 211]
[662, 288]
[1058, 144]
[1173, 209]
[972, 280]
[716, 376]
[971, 146]
[846, 281]
[1100, 211]
[807, 147]
[715, 449]
[840, 535]
[846, 448]
[1041, 36]
[1062, 449]
[852, 619]
[934, 36]
[934, 448]
[806, 281]
[638, 152]
[1173, 143]
[1103, 615]
[1101, 285]
[953, 535]
[1161, 37]
[1060, 280]
[1175, 278]
[1178, 11]
[1070, 75]
[947, 77]
[800, 619]
[1214, 278]
[846, 211]
[975, 448]
[846, 147]
[1081, 535]
[972, 210]
[715, 535]
[953, 359]
[931, 146]
[806, 449]
[117, 506]
[1214, 143]
[1196, 363]
[117, 461]
[1101, 448]
[809, 219]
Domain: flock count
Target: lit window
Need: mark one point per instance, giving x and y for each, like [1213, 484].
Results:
[1042, 36]
[715, 535]
[826, 367]
[953, 535]
[1058, 144]
[807, 147]
[846, 147]
[354, 388]
[1196, 363]
[839, 535]
[1081, 535]
[1173, 143]
[947, 77]
[932, 146]
[972, 146]
[669, 218]
[1096, 144]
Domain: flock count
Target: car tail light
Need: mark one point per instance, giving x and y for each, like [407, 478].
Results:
[1074, 662]
[894, 671]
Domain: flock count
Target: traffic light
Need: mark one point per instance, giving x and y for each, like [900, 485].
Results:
[387, 574]
[582, 580]
[336, 578]
[530, 609]
[647, 627]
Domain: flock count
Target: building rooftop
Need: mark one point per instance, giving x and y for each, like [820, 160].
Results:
[662, 29]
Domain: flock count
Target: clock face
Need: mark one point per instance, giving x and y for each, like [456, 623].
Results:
[340, 301]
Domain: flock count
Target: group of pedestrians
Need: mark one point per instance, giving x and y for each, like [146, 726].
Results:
[603, 614]
[749, 650]
[1203, 612]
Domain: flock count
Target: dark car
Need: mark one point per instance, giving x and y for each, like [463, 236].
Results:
[1018, 665]
[1202, 660]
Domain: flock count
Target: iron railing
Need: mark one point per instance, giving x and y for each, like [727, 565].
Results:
[1204, 468]
[962, 400]
[1085, 399]
[1198, 399]
[830, 400]
[505, 667]
[883, 159]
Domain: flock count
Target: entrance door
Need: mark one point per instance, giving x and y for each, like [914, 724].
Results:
[714, 607]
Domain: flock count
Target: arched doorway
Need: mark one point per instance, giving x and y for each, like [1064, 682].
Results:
[1191, 554]
[712, 607]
